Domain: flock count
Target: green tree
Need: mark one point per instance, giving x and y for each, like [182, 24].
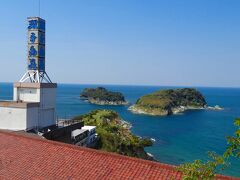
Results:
[233, 148]
[203, 170]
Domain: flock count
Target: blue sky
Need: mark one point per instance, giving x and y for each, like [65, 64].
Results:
[135, 42]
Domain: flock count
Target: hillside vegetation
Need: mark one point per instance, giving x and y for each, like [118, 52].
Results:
[102, 96]
[171, 101]
[114, 134]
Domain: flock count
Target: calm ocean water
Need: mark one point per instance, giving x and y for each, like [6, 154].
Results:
[179, 138]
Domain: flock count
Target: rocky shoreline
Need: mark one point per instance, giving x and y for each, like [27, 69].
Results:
[102, 96]
[101, 102]
[169, 101]
[175, 111]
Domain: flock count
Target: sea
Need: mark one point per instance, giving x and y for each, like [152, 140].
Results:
[178, 138]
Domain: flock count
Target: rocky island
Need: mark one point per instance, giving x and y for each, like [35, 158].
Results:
[171, 101]
[115, 135]
[102, 96]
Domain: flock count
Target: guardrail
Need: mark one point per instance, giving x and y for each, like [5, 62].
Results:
[67, 122]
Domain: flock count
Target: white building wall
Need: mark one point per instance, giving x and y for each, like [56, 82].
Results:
[47, 107]
[32, 118]
[45, 114]
[48, 98]
[13, 118]
[27, 94]
[46, 117]
[25, 119]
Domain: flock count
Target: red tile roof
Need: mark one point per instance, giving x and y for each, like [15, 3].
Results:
[24, 157]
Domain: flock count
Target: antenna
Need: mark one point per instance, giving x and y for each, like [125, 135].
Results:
[39, 8]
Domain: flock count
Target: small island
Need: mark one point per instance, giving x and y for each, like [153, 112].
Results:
[170, 101]
[115, 135]
[102, 96]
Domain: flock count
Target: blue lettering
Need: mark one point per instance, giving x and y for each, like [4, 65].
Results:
[33, 38]
[33, 24]
[32, 65]
[32, 51]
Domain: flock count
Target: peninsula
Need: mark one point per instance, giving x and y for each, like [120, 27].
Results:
[115, 135]
[171, 101]
[102, 96]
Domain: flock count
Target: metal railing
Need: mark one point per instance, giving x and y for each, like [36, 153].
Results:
[67, 122]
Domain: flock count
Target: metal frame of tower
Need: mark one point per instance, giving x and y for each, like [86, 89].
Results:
[35, 76]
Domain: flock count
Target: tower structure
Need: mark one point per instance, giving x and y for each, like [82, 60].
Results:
[34, 96]
[36, 52]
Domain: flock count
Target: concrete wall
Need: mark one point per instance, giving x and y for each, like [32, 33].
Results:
[18, 118]
[27, 94]
[45, 94]
[13, 118]
[46, 113]
[47, 107]
[48, 98]
[46, 117]
[26, 118]
[32, 117]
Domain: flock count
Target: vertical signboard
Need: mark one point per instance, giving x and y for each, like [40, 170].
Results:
[36, 44]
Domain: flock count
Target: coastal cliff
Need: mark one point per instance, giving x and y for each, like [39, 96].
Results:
[171, 101]
[102, 96]
[115, 135]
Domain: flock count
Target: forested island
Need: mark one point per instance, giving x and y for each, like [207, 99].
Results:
[115, 135]
[102, 96]
[170, 101]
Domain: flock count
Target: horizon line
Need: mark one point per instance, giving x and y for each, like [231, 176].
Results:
[108, 84]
